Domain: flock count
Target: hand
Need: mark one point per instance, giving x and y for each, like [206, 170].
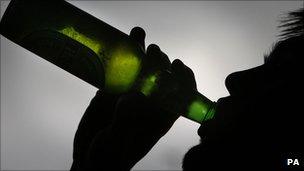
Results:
[138, 124]
[117, 131]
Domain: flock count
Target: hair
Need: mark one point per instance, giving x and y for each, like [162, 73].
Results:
[292, 24]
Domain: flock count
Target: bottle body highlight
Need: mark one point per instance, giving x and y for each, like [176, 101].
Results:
[89, 49]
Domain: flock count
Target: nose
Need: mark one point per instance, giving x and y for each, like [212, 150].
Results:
[246, 82]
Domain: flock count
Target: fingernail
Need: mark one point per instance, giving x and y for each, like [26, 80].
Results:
[153, 48]
[177, 63]
[139, 32]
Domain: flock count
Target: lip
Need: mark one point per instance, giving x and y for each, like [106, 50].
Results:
[229, 111]
[223, 105]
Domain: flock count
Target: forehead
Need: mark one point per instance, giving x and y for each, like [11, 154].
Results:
[286, 51]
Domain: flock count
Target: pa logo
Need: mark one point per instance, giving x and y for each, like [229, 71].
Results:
[293, 162]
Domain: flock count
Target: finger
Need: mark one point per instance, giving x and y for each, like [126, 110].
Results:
[138, 34]
[153, 50]
[177, 66]
[183, 74]
[156, 59]
[178, 69]
[189, 77]
[137, 110]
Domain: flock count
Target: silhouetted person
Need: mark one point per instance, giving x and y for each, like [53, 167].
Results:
[257, 127]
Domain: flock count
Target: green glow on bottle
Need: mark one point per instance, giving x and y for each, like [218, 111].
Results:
[121, 67]
[200, 111]
[121, 70]
[149, 85]
[88, 42]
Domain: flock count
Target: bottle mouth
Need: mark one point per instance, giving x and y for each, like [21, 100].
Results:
[210, 113]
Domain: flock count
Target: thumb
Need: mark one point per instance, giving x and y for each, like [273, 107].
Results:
[138, 35]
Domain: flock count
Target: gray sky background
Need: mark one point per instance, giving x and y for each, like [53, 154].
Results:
[41, 105]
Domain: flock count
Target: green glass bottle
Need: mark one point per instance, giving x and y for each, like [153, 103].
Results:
[89, 49]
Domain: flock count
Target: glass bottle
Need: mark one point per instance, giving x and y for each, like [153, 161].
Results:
[91, 50]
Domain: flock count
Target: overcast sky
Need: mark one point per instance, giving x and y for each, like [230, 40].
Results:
[41, 104]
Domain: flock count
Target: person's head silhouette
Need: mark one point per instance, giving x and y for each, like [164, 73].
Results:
[259, 125]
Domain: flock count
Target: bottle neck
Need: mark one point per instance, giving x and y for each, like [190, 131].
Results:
[200, 108]
[190, 103]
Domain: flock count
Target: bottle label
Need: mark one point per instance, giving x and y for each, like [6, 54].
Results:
[67, 54]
